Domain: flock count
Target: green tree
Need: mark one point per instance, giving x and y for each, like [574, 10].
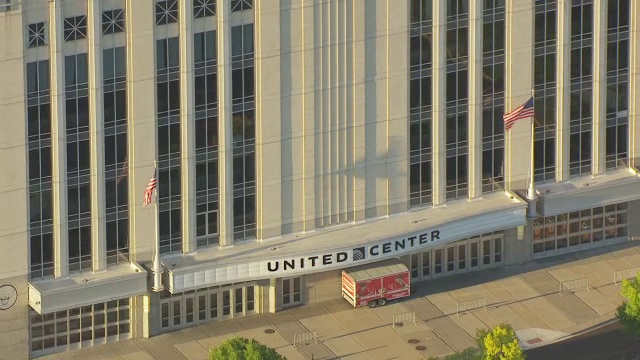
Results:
[499, 343]
[243, 349]
[629, 312]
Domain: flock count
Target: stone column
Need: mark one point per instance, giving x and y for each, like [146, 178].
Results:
[634, 84]
[438, 119]
[519, 28]
[58, 141]
[96, 140]
[141, 130]
[563, 89]
[475, 99]
[599, 95]
[187, 128]
[225, 152]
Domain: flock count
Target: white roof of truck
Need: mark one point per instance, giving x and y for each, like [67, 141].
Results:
[376, 269]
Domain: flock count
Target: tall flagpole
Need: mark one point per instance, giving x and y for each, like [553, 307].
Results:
[157, 267]
[531, 191]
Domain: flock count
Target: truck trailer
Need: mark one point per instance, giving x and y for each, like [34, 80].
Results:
[375, 284]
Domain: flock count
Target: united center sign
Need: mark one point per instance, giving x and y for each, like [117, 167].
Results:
[379, 251]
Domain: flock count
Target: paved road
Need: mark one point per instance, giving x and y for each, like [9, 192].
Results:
[606, 343]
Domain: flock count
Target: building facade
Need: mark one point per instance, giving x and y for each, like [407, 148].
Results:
[291, 140]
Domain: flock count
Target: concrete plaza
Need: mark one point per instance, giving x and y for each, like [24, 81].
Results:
[526, 296]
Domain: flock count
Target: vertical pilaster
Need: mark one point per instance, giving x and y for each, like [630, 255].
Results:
[225, 152]
[270, 137]
[358, 100]
[141, 129]
[58, 141]
[634, 84]
[598, 151]
[438, 119]
[273, 298]
[475, 98]
[563, 89]
[96, 140]
[187, 128]
[397, 28]
[519, 27]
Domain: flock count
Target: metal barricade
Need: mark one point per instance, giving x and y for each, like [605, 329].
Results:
[399, 319]
[305, 337]
[575, 284]
[620, 275]
[471, 305]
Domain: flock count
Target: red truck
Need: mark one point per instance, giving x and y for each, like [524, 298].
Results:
[375, 284]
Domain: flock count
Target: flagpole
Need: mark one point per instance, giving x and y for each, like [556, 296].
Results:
[157, 267]
[531, 191]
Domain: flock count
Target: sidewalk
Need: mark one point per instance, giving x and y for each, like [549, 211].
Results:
[527, 297]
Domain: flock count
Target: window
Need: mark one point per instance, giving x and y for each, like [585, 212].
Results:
[456, 130]
[420, 95]
[78, 161]
[64, 330]
[75, 28]
[79, 248]
[581, 88]
[206, 123]
[204, 8]
[421, 10]
[170, 222]
[493, 74]
[243, 125]
[115, 155]
[617, 99]
[242, 42]
[169, 142]
[37, 35]
[166, 12]
[240, 5]
[113, 21]
[569, 230]
[168, 54]
[545, 89]
[291, 291]
[39, 170]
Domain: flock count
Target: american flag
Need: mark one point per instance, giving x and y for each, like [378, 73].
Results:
[148, 192]
[521, 112]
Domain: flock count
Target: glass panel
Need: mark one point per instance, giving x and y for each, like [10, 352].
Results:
[486, 252]
[438, 261]
[462, 256]
[189, 310]
[165, 315]
[226, 302]
[414, 266]
[250, 299]
[474, 254]
[296, 289]
[202, 307]
[497, 250]
[450, 258]
[238, 301]
[176, 312]
[426, 262]
[286, 291]
[213, 306]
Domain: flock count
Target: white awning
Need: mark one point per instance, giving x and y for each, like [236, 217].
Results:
[344, 246]
[587, 192]
[83, 289]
